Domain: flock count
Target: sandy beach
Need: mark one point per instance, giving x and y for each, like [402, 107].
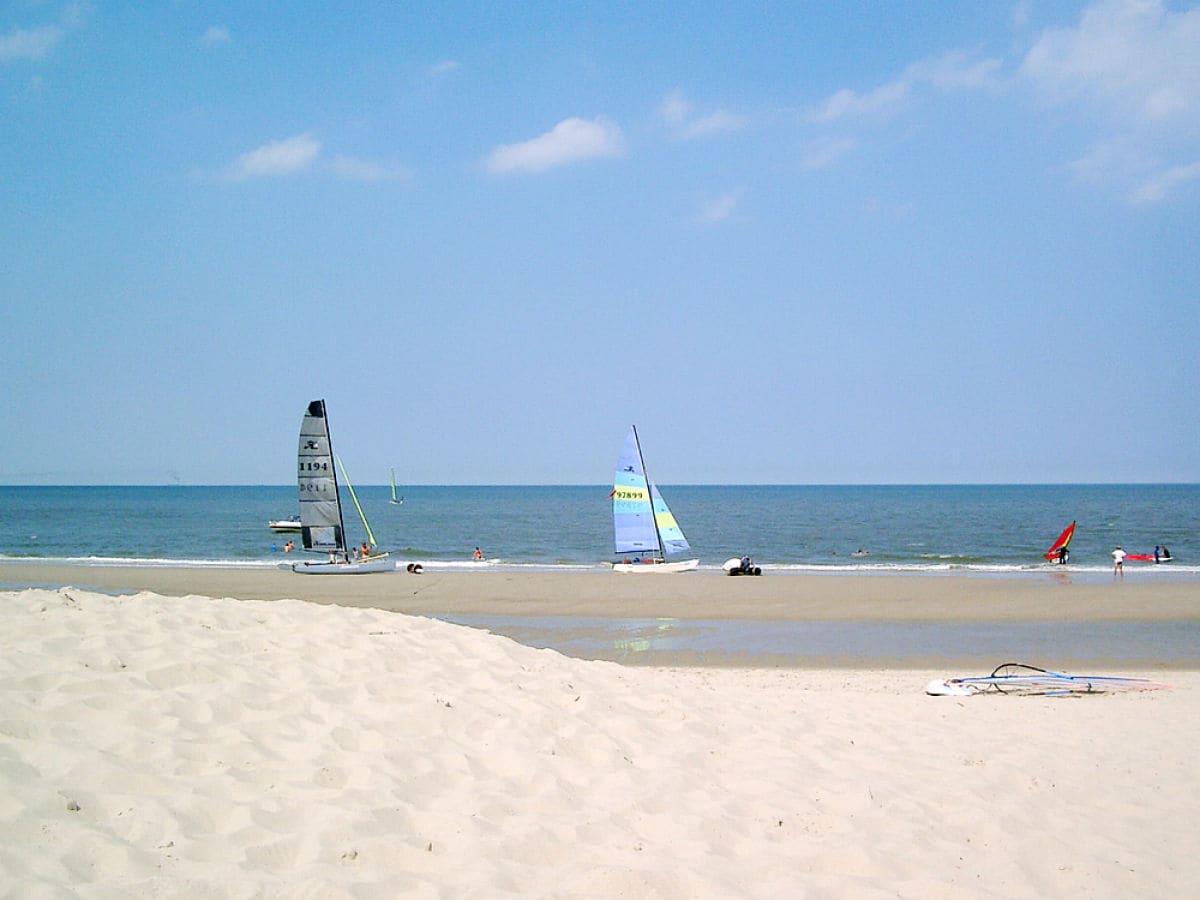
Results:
[169, 744]
[164, 746]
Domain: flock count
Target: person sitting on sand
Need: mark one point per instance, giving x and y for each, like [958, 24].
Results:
[413, 568]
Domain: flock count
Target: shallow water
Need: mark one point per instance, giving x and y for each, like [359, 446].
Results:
[654, 641]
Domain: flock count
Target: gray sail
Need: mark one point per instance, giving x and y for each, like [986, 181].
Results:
[320, 508]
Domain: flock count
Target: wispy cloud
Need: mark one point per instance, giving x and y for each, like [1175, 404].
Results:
[30, 43]
[445, 67]
[1166, 181]
[284, 157]
[37, 43]
[714, 123]
[215, 35]
[1126, 58]
[951, 71]
[302, 153]
[676, 112]
[824, 152]
[719, 208]
[571, 140]
[674, 108]
[847, 103]
[368, 170]
[1132, 64]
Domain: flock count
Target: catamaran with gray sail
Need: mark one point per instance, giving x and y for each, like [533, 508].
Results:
[322, 529]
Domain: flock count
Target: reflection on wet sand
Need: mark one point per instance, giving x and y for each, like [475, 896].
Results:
[756, 643]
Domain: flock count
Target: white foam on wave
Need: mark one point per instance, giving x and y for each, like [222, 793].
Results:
[139, 562]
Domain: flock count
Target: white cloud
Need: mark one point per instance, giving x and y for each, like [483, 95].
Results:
[367, 170]
[674, 108]
[719, 208]
[676, 112]
[1110, 157]
[214, 35]
[955, 71]
[571, 140]
[824, 152]
[277, 158]
[714, 124]
[32, 43]
[36, 43]
[847, 103]
[1158, 187]
[1127, 57]
[1135, 67]
[951, 71]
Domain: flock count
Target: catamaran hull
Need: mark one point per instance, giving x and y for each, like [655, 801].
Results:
[656, 566]
[364, 567]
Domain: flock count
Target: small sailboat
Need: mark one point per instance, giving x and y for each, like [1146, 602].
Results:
[642, 524]
[394, 501]
[322, 529]
[1058, 550]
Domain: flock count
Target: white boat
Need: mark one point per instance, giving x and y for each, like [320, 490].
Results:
[394, 501]
[322, 529]
[644, 529]
[283, 525]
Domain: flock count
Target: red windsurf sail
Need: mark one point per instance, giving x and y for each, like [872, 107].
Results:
[1063, 540]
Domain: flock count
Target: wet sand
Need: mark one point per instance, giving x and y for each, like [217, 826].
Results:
[788, 598]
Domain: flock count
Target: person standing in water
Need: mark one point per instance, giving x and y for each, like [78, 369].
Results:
[1118, 556]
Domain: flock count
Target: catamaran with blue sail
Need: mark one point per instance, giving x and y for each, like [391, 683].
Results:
[321, 527]
[644, 529]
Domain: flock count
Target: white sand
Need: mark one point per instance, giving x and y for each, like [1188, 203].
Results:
[155, 746]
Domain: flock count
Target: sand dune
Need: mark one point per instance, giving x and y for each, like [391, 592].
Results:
[186, 746]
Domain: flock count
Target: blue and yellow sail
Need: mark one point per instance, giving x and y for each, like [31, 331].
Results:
[642, 522]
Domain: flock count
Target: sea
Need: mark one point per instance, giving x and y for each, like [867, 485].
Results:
[983, 530]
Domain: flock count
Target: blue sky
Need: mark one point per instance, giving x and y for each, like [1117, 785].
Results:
[793, 242]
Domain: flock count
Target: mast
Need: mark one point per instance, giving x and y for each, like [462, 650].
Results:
[336, 491]
[649, 492]
[358, 506]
